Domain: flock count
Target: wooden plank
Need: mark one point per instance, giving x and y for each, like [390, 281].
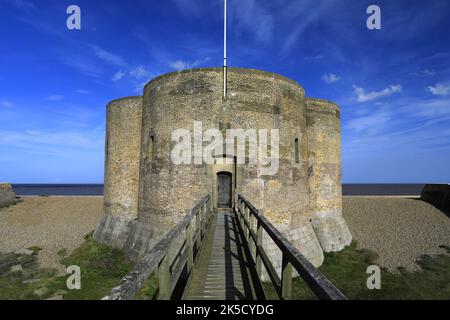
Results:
[223, 273]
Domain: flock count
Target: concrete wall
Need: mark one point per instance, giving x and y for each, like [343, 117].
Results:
[438, 195]
[7, 195]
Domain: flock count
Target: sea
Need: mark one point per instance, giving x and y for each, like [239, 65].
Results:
[97, 189]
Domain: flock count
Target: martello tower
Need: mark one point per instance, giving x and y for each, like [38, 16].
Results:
[146, 194]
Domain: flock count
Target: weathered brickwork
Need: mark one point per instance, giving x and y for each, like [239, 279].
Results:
[303, 199]
[123, 146]
[325, 175]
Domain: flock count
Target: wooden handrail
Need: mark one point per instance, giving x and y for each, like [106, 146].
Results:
[292, 257]
[194, 226]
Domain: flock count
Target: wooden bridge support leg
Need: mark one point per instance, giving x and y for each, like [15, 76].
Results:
[259, 240]
[286, 280]
[164, 279]
[252, 243]
[246, 220]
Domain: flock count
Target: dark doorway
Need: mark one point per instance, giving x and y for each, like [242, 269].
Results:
[224, 183]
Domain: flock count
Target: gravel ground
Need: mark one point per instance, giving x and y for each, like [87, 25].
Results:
[399, 229]
[51, 223]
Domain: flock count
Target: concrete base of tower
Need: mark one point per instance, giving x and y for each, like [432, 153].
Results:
[135, 239]
[303, 238]
[331, 230]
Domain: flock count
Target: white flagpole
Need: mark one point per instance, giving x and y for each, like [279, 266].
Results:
[225, 51]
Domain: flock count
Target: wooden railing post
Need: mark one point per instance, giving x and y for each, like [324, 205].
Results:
[189, 248]
[252, 243]
[164, 278]
[286, 279]
[259, 241]
[198, 228]
[202, 220]
[246, 220]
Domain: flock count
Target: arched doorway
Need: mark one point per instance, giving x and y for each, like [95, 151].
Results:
[224, 189]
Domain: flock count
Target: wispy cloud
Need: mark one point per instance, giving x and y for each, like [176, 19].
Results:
[140, 73]
[23, 4]
[428, 73]
[439, 89]
[109, 57]
[252, 17]
[370, 124]
[330, 78]
[83, 65]
[55, 97]
[316, 57]
[7, 104]
[300, 18]
[188, 7]
[362, 96]
[118, 76]
[38, 139]
[181, 65]
[82, 91]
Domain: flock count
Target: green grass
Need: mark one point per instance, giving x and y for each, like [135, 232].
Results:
[102, 268]
[150, 289]
[347, 270]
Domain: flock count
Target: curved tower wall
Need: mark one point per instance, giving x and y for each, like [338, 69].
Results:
[325, 174]
[123, 147]
[121, 183]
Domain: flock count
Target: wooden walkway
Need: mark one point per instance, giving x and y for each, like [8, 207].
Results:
[223, 271]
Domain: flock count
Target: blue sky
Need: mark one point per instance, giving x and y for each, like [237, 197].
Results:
[393, 85]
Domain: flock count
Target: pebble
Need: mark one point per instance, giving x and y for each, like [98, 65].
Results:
[398, 229]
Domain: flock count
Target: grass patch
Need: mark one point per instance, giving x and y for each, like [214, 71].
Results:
[347, 270]
[149, 290]
[102, 268]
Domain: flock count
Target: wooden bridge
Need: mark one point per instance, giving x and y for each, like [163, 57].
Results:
[219, 256]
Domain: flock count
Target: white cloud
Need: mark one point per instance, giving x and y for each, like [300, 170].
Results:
[330, 78]
[140, 73]
[181, 65]
[81, 91]
[365, 97]
[118, 76]
[439, 89]
[55, 97]
[428, 73]
[7, 104]
[108, 57]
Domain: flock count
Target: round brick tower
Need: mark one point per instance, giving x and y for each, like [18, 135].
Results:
[302, 198]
